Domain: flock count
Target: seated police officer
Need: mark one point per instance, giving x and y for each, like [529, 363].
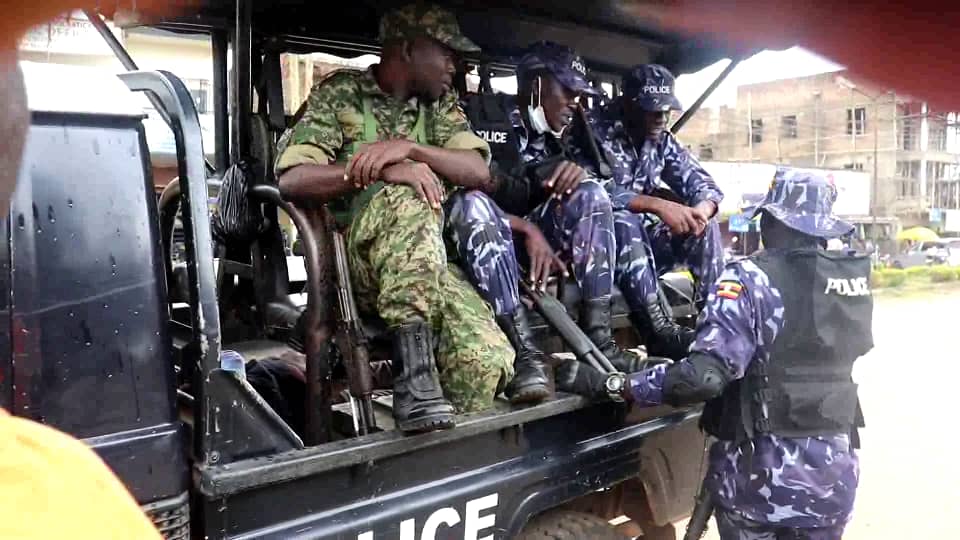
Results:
[773, 358]
[565, 213]
[656, 228]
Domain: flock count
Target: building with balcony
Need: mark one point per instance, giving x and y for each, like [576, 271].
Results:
[835, 121]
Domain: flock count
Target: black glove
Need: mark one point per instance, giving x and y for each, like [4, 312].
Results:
[578, 377]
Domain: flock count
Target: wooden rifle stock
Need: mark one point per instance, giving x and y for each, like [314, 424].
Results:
[351, 341]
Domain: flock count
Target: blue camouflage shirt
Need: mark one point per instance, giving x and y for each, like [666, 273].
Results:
[533, 146]
[805, 482]
[640, 171]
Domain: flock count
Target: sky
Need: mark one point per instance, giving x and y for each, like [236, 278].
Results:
[763, 67]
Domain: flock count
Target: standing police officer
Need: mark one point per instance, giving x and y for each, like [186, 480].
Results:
[773, 358]
[642, 152]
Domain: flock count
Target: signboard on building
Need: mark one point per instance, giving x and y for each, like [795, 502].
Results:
[951, 222]
[72, 34]
[936, 215]
[741, 223]
[742, 182]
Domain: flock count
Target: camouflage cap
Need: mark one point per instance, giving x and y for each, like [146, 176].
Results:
[803, 200]
[429, 20]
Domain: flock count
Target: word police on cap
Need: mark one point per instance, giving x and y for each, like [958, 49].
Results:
[650, 89]
[578, 66]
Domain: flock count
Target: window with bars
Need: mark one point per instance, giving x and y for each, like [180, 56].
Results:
[756, 131]
[788, 126]
[938, 137]
[856, 121]
[908, 134]
[706, 151]
[200, 91]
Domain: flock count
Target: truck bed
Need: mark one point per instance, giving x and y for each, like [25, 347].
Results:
[518, 459]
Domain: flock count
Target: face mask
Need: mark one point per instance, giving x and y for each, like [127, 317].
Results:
[538, 117]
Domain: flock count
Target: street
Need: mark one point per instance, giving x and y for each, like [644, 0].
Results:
[910, 468]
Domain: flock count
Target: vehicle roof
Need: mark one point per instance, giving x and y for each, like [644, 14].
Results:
[606, 32]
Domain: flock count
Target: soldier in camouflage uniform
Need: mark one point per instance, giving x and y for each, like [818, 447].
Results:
[376, 144]
[774, 352]
[564, 211]
[653, 232]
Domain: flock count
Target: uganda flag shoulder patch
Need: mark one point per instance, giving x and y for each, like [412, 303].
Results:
[729, 290]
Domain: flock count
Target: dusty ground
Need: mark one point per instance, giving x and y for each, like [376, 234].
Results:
[910, 391]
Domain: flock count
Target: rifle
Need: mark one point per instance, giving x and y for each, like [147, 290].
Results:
[701, 514]
[352, 343]
[554, 312]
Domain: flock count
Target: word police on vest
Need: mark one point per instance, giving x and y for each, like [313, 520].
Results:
[448, 518]
[650, 89]
[848, 287]
[578, 66]
[495, 137]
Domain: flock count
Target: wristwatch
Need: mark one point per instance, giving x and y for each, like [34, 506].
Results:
[614, 385]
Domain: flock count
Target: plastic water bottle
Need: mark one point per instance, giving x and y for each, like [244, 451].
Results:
[232, 361]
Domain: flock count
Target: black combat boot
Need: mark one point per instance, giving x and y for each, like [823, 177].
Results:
[595, 322]
[418, 403]
[662, 336]
[529, 384]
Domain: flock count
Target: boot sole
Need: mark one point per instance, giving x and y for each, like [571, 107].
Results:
[530, 394]
[425, 425]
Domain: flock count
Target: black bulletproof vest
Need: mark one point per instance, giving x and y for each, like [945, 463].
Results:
[519, 190]
[489, 116]
[805, 389]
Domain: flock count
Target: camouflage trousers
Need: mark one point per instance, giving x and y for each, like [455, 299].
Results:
[399, 269]
[579, 228]
[733, 526]
[646, 249]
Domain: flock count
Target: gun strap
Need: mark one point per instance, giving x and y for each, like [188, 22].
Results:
[603, 168]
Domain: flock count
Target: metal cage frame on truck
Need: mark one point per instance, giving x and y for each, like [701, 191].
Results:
[241, 470]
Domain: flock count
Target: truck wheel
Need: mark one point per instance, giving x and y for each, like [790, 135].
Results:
[568, 525]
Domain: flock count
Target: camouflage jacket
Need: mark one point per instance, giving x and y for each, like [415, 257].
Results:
[333, 121]
[640, 171]
[804, 482]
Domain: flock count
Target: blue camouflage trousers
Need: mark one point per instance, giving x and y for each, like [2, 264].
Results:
[647, 249]
[733, 526]
[578, 227]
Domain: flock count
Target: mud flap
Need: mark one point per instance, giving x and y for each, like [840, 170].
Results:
[672, 462]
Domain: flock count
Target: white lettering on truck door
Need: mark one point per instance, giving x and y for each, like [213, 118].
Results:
[474, 523]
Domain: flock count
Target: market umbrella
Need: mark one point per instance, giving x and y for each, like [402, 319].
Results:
[918, 234]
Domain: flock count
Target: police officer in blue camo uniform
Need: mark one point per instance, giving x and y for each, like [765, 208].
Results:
[773, 357]
[655, 232]
[564, 211]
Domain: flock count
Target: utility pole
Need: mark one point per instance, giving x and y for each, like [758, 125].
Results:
[876, 167]
[816, 128]
[875, 185]
[750, 124]
[779, 129]
[852, 123]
